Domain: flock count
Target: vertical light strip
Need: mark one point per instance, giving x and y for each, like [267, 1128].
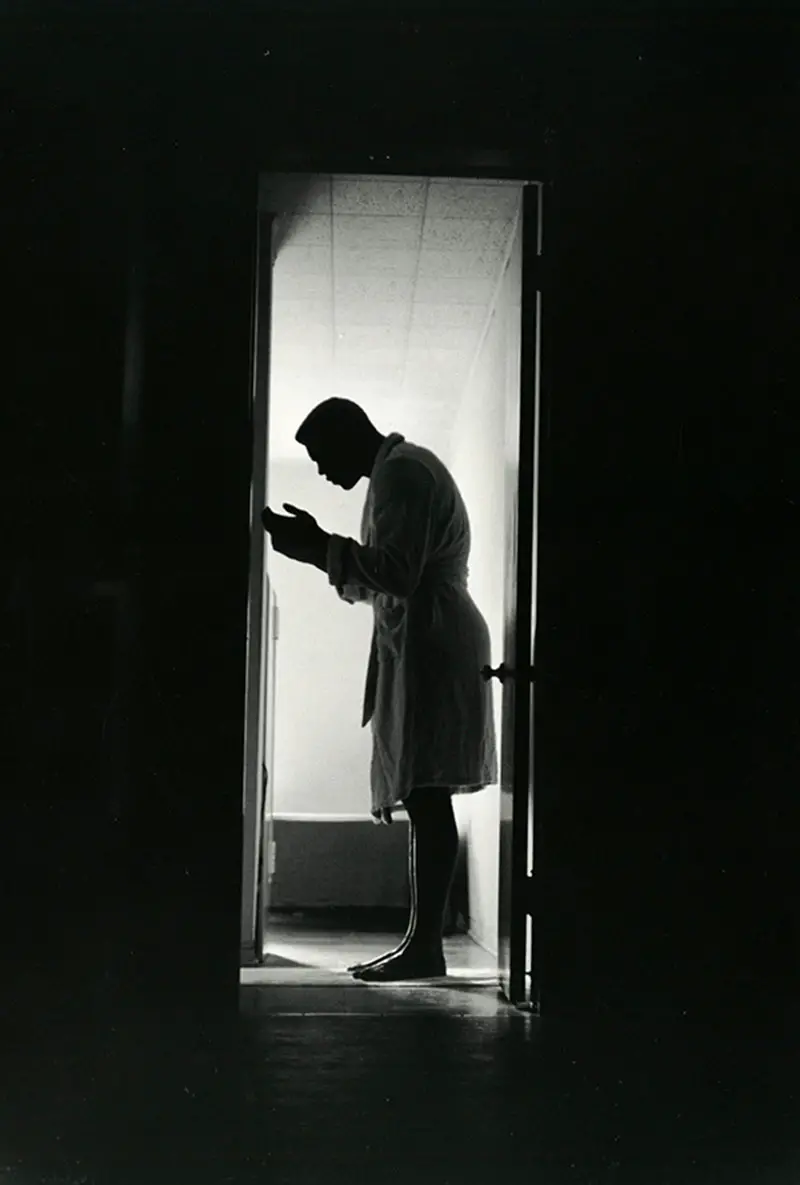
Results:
[535, 562]
[529, 948]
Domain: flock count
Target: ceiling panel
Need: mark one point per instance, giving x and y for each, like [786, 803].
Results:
[384, 262]
[433, 289]
[420, 358]
[298, 261]
[391, 335]
[310, 230]
[369, 391]
[372, 312]
[380, 362]
[349, 289]
[382, 289]
[446, 337]
[443, 315]
[355, 372]
[375, 234]
[312, 333]
[297, 286]
[466, 234]
[459, 264]
[293, 312]
[466, 199]
[381, 198]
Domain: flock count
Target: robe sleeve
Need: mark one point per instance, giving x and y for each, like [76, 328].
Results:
[354, 594]
[394, 561]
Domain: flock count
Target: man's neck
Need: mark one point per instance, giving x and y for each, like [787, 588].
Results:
[372, 454]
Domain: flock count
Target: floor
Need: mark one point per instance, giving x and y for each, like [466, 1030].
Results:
[304, 952]
[332, 1082]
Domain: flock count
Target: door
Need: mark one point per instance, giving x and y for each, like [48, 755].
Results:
[266, 858]
[516, 970]
[254, 883]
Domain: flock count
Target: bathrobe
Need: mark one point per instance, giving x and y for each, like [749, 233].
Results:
[429, 708]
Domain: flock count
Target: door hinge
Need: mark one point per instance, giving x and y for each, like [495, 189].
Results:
[271, 860]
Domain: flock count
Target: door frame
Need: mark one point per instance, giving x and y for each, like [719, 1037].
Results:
[447, 164]
[255, 721]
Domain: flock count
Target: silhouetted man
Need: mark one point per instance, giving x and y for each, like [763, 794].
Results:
[429, 709]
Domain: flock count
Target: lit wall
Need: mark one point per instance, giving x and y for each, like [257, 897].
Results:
[321, 760]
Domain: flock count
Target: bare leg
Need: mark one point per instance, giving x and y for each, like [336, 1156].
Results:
[435, 851]
[412, 880]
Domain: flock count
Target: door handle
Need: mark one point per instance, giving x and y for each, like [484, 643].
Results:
[503, 672]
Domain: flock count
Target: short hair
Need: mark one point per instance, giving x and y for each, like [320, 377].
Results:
[331, 416]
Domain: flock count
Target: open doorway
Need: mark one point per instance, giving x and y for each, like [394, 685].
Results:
[404, 294]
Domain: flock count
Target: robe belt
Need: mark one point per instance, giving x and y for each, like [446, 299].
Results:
[434, 576]
[443, 573]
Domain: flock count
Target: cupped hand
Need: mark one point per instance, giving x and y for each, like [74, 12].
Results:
[296, 535]
[301, 515]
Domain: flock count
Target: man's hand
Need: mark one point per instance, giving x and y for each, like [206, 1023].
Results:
[297, 535]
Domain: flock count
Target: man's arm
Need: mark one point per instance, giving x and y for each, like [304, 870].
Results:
[393, 560]
[319, 552]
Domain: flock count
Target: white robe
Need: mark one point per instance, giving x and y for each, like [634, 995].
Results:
[429, 708]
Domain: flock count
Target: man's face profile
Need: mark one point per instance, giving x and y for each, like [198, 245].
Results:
[334, 464]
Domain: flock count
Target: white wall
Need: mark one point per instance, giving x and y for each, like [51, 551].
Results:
[477, 462]
[321, 752]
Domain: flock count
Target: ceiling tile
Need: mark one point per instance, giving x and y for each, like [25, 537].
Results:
[420, 358]
[388, 262]
[300, 286]
[455, 234]
[458, 264]
[308, 230]
[425, 385]
[299, 312]
[425, 337]
[364, 387]
[357, 289]
[372, 312]
[409, 339]
[297, 261]
[357, 196]
[350, 372]
[380, 360]
[460, 199]
[456, 316]
[289, 376]
[375, 233]
[371, 337]
[308, 340]
[439, 290]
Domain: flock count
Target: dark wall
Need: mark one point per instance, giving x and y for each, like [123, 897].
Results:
[667, 615]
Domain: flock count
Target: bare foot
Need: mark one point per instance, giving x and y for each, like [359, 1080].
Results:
[391, 954]
[407, 964]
